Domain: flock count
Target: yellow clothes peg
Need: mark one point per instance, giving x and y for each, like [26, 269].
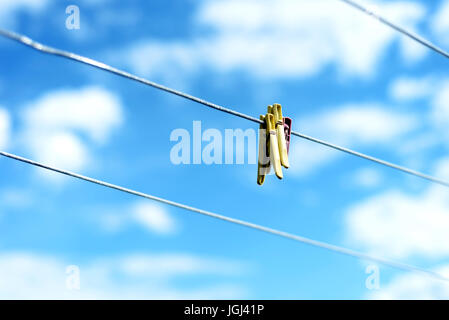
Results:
[273, 142]
[263, 165]
[277, 111]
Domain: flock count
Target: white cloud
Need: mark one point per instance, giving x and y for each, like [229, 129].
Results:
[153, 217]
[440, 23]
[359, 124]
[407, 88]
[430, 87]
[307, 157]
[169, 265]
[148, 57]
[414, 145]
[15, 198]
[414, 286]
[348, 125]
[442, 168]
[4, 128]
[60, 126]
[399, 225]
[112, 222]
[367, 177]
[93, 111]
[435, 109]
[412, 51]
[31, 276]
[284, 38]
[440, 107]
[61, 149]
[8, 8]
[150, 216]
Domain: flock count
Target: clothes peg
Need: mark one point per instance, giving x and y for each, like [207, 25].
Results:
[277, 112]
[274, 147]
[263, 165]
[274, 142]
[288, 132]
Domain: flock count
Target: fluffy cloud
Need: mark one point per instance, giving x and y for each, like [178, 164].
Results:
[406, 88]
[149, 215]
[15, 198]
[400, 225]
[440, 23]
[153, 217]
[59, 126]
[435, 91]
[92, 111]
[4, 128]
[307, 157]
[62, 149]
[442, 168]
[286, 38]
[358, 124]
[414, 286]
[349, 125]
[148, 276]
[169, 265]
[412, 51]
[367, 178]
[440, 107]
[8, 8]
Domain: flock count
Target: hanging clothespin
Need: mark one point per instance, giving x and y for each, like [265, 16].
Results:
[274, 142]
[264, 164]
[277, 111]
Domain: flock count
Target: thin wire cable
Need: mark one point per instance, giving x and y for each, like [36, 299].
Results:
[72, 56]
[400, 29]
[377, 160]
[304, 240]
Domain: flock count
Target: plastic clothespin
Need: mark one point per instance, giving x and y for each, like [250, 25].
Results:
[288, 132]
[264, 165]
[273, 142]
[277, 112]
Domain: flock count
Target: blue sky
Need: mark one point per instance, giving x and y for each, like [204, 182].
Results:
[340, 75]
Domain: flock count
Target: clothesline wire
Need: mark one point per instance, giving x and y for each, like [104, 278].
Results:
[304, 240]
[396, 27]
[72, 56]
